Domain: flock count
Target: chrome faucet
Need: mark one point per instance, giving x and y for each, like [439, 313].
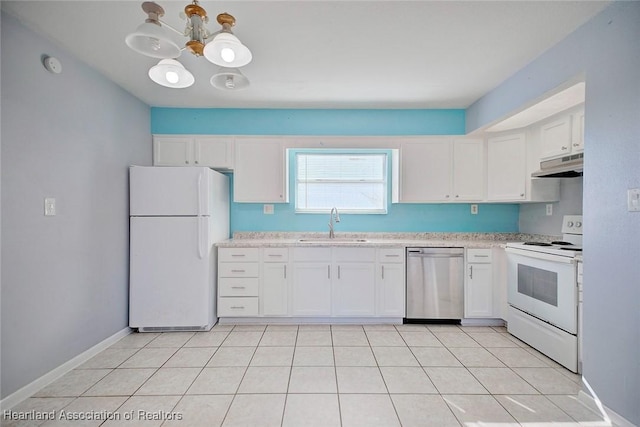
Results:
[331, 219]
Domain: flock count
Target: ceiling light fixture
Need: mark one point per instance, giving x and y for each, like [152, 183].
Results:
[229, 79]
[222, 48]
[225, 49]
[171, 73]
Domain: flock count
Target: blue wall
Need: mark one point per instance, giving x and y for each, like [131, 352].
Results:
[400, 217]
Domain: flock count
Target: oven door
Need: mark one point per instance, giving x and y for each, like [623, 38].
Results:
[544, 286]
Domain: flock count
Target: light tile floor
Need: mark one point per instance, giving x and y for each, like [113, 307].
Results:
[315, 375]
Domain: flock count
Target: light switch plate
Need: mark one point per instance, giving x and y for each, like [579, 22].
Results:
[474, 209]
[49, 206]
[633, 200]
[267, 209]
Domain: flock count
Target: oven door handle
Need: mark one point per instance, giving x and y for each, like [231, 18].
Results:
[541, 255]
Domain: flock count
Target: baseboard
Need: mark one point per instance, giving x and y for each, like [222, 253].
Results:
[591, 401]
[482, 322]
[309, 320]
[36, 385]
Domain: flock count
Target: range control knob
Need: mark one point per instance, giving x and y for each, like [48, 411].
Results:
[570, 224]
[578, 224]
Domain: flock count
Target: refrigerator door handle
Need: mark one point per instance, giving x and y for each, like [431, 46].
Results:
[199, 240]
[200, 251]
[200, 176]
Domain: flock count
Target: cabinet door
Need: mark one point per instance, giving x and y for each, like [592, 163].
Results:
[311, 289]
[391, 287]
[425, 171]
[506, 168]
[555, 138]
[214, 152]
[577, 133]
[261, 173]
[354, 289]
[172, 151]
[275, 289]
[468, 169]
[478, 300]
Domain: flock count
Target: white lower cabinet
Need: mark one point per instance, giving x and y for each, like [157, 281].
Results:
[274, 295]
[478, 284]
[353, 282]
[311, 282]
[390, 283]
[238, 282]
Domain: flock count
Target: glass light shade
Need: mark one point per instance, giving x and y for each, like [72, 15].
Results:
[151, 40]
[171, 73]
[217, 51]
[229, 79]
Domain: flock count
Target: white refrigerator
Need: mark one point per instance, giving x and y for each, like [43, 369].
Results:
[177, 214]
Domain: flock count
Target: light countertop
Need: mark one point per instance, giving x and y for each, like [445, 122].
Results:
[399, 240]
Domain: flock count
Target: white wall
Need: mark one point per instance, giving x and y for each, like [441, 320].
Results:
[607, 51]
[70, 136]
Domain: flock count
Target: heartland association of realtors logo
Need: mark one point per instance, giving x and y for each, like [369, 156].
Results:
[139, 415]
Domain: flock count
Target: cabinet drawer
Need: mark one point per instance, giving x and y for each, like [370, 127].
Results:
[479, 255]
[237, 306]
[238, 254]
[391, 255]
[238, 269]
[354, 254]
[275, 254]
[238, 287]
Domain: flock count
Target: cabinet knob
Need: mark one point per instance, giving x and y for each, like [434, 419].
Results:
[576, 144]
[186, 162]
[457, 195]
[564, 148]
[521, 194]
[447, 196]
[196, 162]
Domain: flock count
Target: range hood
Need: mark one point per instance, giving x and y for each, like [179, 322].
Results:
[562, 167]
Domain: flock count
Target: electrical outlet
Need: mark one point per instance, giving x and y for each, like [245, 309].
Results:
[549, 209]
[633, 200]
[267, 209]
[474, 209]
[49, 206]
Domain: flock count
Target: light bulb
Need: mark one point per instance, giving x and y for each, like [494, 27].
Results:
[229, 83]
[227, 54]
[172, 77]
[155, 43]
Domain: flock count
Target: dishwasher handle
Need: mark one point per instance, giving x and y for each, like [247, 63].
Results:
[436, 252]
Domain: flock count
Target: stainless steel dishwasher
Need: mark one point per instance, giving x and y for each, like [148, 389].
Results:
[435, 283]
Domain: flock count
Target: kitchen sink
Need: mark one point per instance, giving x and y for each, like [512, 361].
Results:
[328, 240]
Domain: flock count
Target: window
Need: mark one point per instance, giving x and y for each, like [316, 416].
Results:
[352, 182]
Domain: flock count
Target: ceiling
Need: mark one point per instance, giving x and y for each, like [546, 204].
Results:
[325, 54]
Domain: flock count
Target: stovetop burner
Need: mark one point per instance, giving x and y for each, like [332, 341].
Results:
[572, 249]
[561, 243]
[537, 244]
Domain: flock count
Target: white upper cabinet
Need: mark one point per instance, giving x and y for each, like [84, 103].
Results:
[172, 150]
[188, 150]
[425, 171]
[468, 169]
[577, 132]
[563, 135]
[213, 151]
[555, 138]
[506, 168]
[261, 171]
[442, 170]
